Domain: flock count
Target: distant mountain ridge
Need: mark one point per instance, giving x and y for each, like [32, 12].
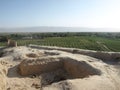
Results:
[58, 29]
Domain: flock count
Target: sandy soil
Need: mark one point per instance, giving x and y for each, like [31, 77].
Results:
[12, 57]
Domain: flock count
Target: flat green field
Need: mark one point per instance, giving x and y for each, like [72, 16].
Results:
[82, 42]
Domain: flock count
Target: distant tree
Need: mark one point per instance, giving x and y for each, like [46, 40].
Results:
[3, 38]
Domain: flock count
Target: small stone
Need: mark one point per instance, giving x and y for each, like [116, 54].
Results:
[8, 88]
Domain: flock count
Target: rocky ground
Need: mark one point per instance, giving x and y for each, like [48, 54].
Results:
[26, 68]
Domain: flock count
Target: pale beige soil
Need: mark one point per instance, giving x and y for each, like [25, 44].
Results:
[109, 79]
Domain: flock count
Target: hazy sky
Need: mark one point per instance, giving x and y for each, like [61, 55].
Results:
[68, 13]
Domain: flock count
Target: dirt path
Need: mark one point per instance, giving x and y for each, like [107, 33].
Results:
[101, 44]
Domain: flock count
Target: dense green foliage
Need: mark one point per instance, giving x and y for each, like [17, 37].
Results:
[83, 42]
[91, 41]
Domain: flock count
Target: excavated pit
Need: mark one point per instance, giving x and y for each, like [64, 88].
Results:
[54, 69]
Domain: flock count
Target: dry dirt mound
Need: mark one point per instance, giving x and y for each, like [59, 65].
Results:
[105, 56]
[2, 77]
[53, 69]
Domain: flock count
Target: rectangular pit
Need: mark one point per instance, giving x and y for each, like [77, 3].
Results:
[49, 67]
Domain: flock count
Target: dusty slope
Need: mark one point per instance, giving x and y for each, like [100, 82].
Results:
[2, 77]
[109, 79]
